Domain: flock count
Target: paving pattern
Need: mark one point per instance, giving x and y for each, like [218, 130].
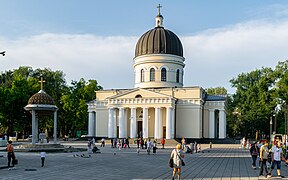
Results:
[220, 162]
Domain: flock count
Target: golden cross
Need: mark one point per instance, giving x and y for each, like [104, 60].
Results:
[159, 6]
[42, 81]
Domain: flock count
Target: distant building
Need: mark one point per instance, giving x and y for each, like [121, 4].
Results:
[159, 106]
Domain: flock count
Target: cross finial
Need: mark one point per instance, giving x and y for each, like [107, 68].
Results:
[159, 6]
[42, 81]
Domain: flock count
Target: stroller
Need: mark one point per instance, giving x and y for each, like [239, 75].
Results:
[95, 150]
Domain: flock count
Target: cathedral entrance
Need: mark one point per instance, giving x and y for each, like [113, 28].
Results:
[164, 132]
[139, 128]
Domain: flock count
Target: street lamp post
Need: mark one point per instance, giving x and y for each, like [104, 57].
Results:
[271, 128]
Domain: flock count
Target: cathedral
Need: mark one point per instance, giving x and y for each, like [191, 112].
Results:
[159, 105]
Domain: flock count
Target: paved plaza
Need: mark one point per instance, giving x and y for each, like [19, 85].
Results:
[220, 162]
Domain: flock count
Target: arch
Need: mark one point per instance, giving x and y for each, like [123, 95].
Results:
[177, 75]
[142, 75]
[138, 96]
[152, 74]
[163, 74]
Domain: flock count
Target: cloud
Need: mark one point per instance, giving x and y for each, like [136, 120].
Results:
[213, 57]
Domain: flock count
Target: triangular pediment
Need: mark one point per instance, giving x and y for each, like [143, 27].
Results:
[140, 93]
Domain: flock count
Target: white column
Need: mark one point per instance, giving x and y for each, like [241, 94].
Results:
[145, 122]
[125, 120]
[33, 127]
[168, 122]
[91, 123]
[211, 123]
[222, 124]
[173, 123]
[36, 130]
[133, 124]
[121, 122]
[111, 123]
[157, 119]
[55, 127]
[160, 130]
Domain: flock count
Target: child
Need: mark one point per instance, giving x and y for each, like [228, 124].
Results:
[42, 155]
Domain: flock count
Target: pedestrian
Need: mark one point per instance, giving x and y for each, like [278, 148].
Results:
[264, 152]
[89, 144]
[192, 147]
[260, 144]
[154, 146]
[163, 143]
[254, 151]
[142, 143]
[149, 146]
[10, 153]
[277, 155]
[138, 142]
[103, 142]
[196, 147]
[112, 143]
[127, 142]
[183, 141]
[177, 156]
[42, 155]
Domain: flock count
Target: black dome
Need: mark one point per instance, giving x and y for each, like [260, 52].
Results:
[159, 41]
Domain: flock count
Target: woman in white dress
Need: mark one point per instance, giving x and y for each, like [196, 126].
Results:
[177, 156]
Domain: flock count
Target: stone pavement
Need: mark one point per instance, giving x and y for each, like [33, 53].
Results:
[221, 162]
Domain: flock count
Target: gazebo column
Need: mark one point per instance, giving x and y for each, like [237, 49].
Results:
[133, 125]
[55, 127]
[36, 130]
[33, 127]
[145, 122]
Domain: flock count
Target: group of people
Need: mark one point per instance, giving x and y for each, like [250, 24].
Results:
[269, 157]
[120, 143]
[12, 161]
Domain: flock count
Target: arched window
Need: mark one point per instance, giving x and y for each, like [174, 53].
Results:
[163, 74]
[177, 76]
[142, 75]
[152, 74]
[138, 96]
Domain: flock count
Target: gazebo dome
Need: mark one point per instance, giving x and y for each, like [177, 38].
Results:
[41, 98]
[159, 41]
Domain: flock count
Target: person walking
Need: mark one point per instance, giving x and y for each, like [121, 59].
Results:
[264, 152]
[112, 142]
[277, 154]
[254, 151]
[127, 142]
[103, 142]
[177, 156]
[10, 153]
[154, 146]
[149, 145]
[42, 156]
[163, 143]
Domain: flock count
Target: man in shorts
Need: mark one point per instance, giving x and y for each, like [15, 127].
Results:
[277, 154]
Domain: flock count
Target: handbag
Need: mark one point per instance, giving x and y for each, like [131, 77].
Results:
[15, 161]
[170, 163]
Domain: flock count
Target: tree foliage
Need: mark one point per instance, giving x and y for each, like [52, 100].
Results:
[257, 94]
[17, 86]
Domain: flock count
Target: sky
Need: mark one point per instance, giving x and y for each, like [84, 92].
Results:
[95, 39]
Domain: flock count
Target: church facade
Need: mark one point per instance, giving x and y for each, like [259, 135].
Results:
[159, 105]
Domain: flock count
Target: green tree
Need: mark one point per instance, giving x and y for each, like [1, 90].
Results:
[254, 101]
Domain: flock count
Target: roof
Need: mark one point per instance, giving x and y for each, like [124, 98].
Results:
[41, 98]
[215, 98]
[159, 41]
